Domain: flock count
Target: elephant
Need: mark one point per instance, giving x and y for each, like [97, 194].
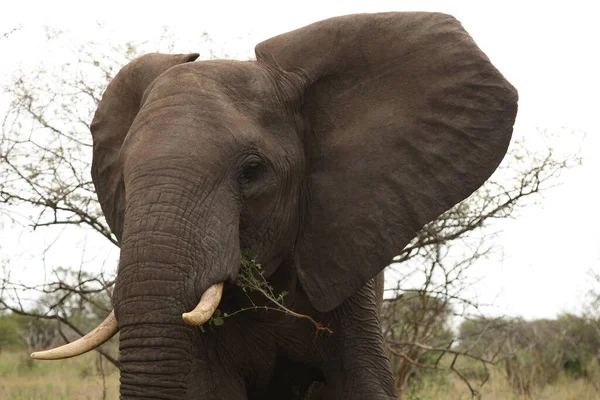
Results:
[322, 158]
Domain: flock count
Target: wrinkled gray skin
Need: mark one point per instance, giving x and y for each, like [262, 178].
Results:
[323, 157]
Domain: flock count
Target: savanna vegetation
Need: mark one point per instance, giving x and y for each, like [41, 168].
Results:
[45, 155]
[497, 359]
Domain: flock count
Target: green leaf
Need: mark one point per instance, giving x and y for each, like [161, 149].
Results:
[218, 321]
[217, 313]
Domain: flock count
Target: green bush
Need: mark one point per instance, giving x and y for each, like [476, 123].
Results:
[537, 353]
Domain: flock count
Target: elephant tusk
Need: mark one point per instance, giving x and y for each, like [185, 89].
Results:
[107, 329]
[206, 307]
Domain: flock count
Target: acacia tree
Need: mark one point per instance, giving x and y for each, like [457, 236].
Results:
[432, 275]
[45, 156]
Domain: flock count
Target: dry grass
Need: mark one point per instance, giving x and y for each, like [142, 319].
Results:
[498, 388]
[81, 378]
[75, 378]
[447, 385]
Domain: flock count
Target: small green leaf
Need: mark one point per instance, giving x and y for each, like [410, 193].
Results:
[218, 321]
[217, 313]
[225, 315]
[284, 293]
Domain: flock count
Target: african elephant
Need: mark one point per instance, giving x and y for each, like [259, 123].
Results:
[323, 157]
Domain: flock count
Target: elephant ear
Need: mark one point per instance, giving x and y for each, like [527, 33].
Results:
[115, 114]
[404, 117]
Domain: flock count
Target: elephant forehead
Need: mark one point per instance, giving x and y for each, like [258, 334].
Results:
[213, 85]
[235, 99]
[210, 105]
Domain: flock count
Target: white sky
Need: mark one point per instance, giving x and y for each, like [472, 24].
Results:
[548, 52]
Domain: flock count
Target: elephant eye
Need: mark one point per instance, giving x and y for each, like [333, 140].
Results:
[250, 173]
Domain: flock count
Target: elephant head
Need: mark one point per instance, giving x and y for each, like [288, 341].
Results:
[329, 152]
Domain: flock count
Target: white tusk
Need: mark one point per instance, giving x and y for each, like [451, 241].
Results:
[107, 329]
[206, 307]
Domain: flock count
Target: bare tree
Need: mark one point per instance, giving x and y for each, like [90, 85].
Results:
[6, 34]
[538, 352]
[45, 157]
[74, 299]
[432, 273]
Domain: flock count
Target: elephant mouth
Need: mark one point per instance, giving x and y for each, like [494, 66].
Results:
[209, 301]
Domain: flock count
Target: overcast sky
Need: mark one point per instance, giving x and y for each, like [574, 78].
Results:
[548, 52]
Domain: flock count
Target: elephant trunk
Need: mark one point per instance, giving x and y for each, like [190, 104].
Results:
[175, 251]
